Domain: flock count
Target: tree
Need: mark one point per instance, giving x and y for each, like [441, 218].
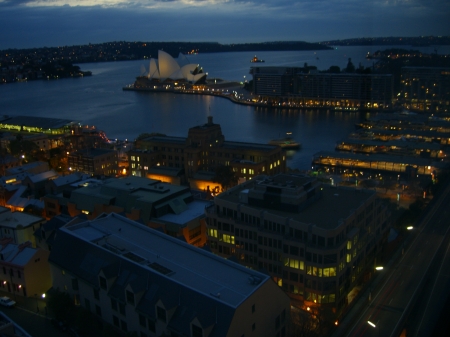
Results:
[334, 70]
[350, 66]
[60, 305]
[225, 177]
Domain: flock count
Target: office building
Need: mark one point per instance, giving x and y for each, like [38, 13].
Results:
[318, 242]
[425, 89]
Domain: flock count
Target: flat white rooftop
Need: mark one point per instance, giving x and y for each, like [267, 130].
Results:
[180, 262]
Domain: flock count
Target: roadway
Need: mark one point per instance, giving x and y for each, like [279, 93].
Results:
[26, 314]
[422, 269]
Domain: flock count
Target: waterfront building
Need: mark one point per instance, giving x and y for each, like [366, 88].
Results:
[32, 124]
[167, 73]
[317, 242]
[393, 147]
[313, 89]
[442, 138]
[24, 270]
[170, 208]
[94, 161]
[202, 153]
[426, 89]
[144, 282]
[407, 121]
[407, 166]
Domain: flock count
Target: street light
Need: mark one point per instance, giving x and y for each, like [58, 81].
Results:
[379, 268]
[374, 326]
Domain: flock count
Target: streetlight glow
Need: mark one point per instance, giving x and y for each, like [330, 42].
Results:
[409, 228]
[379, 268]
[371, 324]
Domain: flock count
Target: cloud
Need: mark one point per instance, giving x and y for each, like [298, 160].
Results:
[67, 22]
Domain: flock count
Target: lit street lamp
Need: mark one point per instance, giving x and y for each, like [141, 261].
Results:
[374, 326]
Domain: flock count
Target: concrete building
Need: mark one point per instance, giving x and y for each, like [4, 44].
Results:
[94, 162]
[170, 208]
[314, 89]
[142, 281]
[317, 242]
[24, 270]
[426, 89]
[203, 151]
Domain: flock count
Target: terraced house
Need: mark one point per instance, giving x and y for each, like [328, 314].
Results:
[142, 281]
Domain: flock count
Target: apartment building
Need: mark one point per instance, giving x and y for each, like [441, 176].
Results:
[142, 281]
[94, 161]
[426, 89]
[318, 242]
[19, 226]
[24, 270]
[311, 88]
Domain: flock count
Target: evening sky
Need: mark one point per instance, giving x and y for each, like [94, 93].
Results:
[51, 23]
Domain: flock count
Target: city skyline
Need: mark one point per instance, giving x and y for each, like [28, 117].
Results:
[37, 23]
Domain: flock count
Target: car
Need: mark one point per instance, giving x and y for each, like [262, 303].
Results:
[6, 301]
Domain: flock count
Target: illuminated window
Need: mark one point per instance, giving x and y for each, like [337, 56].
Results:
[212, 232]
[226, 238]
[296, 264]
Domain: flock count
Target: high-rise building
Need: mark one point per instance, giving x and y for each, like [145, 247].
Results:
[311, 88]
[426, 89]
[318, 242]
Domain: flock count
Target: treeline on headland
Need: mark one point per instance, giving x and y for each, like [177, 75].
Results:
[417, 41]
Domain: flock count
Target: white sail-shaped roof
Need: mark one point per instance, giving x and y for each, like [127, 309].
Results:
[153, 69]
[166, 67]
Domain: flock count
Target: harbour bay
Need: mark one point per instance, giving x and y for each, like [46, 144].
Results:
[99, 100]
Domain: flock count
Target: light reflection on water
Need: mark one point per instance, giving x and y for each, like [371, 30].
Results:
[99, 100]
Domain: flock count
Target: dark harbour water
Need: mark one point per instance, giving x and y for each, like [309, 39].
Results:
[99, 100]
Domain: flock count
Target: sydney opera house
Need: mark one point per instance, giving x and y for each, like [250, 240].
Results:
[167, 71]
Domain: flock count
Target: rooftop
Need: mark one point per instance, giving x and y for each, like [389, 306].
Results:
[15, 219]
[174, 260]
[18, 255]
[326, 211]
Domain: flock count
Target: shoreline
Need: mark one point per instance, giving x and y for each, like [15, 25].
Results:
[249, 102]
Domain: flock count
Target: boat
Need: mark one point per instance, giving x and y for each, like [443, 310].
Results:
[287, 142]
[256, 60]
